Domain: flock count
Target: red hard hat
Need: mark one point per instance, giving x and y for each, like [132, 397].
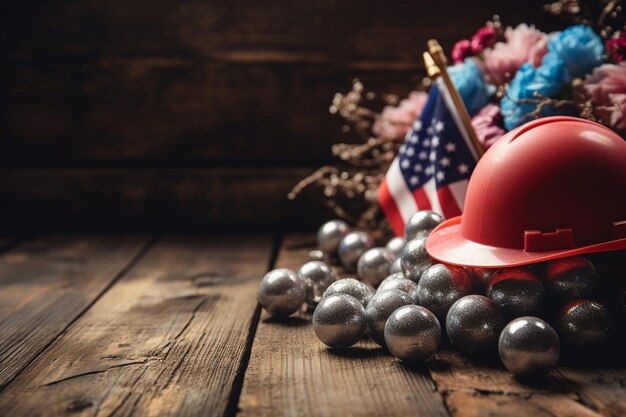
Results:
[552, 188]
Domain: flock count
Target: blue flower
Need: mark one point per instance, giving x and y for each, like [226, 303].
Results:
[470, 83]
[579, 47]
[531, 84]
[571, 54]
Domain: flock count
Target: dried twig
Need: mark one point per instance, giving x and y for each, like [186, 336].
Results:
[349, 188]
[606, 16]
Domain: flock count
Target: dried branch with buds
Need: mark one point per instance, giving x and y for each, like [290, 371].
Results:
[607, 16]
[349, 188]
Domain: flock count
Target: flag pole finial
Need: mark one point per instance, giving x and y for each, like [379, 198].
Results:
[435, 57]
[432, 70]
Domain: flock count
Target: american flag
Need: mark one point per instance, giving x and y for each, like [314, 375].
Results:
[432, 169]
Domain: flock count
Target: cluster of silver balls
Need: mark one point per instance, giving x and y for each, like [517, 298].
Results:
[481, 310]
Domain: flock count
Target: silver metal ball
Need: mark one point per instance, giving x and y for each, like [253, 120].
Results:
[414, 259]
[330, 234]
[281, 292]
[473, 324]
[396, 244]
[374, 265]
[583, 324]
[529, 345]
[352, 246]
[318, 276]
[378, 310]
[441, 286]
[362, 292]
[570, 278]
[518, 292]
[392, 276]
[402, 284]
[480, 277]
[396, 266]
[412, 333]
[421, 224]
[339, 321]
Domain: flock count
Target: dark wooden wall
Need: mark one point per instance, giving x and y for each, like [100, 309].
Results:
[144, 114]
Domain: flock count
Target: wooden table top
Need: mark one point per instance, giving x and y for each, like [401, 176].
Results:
[169, 325]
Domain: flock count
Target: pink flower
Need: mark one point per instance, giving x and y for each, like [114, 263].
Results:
[523, 44]
[616, 48]
[606, 86]
[484, 38]
[489, 125]
[394, 122]
[461, 50]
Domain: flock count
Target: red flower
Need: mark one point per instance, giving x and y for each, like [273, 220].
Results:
[484, 38]
[488, 124]
[461, 50]
[616, 47]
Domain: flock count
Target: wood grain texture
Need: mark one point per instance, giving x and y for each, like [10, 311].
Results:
[244, 80]
[484, 387]
[49, 282]
[193, 199]
[131, 84]
[475, 404]
[600, 388]
[453, 371]
[292, 374]
[167, 339]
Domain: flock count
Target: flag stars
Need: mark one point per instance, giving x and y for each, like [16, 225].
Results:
[435, 141]
[405, 164]
[439, 126]
[417, 126]
[413, 139]
[410, 152]
[414, 180]
[445, 161]
[433, 156]
[430, 170]
[450, 147]
[423, 155]
[402, 149]
[441, 176]
[463, 168]
[426, 143]
[418, 168]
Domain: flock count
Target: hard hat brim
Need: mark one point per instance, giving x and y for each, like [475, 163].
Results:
[447, 245]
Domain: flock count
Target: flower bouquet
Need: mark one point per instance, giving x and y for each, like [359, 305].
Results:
[506, 76]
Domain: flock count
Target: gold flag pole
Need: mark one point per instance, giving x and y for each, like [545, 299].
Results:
[436, 65]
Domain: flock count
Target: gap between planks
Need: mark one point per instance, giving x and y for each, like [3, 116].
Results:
[291, 373]
[169, 338]
[48, 283]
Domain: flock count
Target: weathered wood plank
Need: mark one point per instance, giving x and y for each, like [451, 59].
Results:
[600, 388]
[479, 387]
[168, 338]
[484, 387]
[154, 199]
[292, 374]
[453, 371]
[476, 404]
[278, 375]
[47, 283]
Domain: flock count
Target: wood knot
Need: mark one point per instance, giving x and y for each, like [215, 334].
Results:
[77, 406]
